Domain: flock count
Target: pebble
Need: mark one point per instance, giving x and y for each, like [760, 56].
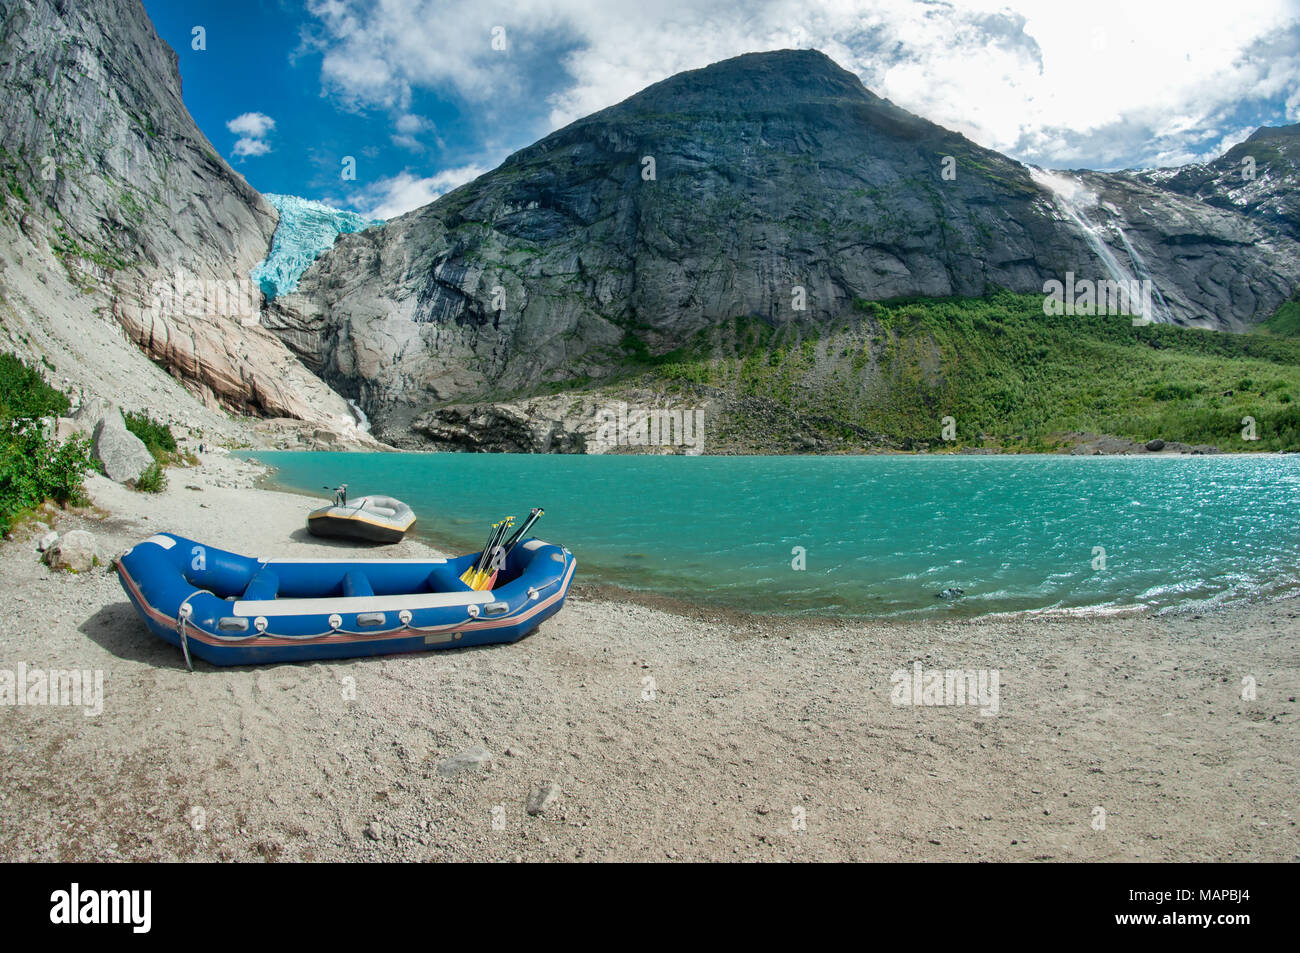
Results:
[473, 758]
[542, 797]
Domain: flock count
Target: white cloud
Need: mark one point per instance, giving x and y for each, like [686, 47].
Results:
[1039, 79]
[254, 125]
[410, 125]
[1228, 141]
[409, 128]
[394, 196]
[250, 147]
[252, 129]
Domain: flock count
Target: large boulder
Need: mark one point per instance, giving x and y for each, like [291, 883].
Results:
[123, 454]
[74, 551]
[90, 413]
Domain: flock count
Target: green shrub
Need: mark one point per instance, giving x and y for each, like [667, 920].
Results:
[25, 393]
[34, 469]
[156, 436]
[153, 480]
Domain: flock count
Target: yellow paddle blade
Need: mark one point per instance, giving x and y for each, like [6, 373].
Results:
[476, 580]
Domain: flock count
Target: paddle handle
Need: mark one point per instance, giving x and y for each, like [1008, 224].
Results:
[533, 517]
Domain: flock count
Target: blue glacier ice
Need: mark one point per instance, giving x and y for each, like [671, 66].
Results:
[307, 229]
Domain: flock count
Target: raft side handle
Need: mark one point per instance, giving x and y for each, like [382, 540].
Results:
[183, 615]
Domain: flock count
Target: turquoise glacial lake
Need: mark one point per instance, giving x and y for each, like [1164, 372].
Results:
[876, 535]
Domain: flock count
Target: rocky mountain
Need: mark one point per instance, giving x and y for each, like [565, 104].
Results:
[749, 210]
[771, 187]
[126, 239]
[1210, 265]
[1260, 177]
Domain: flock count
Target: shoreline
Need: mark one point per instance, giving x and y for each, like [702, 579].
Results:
[670, 737]
[606, 591]
[967, 452]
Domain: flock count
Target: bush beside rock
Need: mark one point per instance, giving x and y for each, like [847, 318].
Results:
[123, 454]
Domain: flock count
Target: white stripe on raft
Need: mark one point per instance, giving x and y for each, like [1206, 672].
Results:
[418, 600]
[535, 544]
[349, 562]
[166, 542]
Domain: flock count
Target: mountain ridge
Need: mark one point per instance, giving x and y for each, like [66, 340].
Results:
[769, 196]
[1245, 178]
[771, 172]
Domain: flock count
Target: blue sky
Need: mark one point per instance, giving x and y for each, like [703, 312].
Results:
[256, 62]
[426, 94]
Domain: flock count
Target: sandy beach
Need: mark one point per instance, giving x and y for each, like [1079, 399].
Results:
[664, 735]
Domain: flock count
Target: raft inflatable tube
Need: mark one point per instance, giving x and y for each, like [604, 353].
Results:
[374, 519]
[229, 609]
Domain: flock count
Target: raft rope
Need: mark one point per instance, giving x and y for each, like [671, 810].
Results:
[182, 616]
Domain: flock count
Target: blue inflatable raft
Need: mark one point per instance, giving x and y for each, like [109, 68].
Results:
[234, 610]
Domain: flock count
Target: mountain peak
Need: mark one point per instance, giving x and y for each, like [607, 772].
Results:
[1275, 133]
[754, 80]
[771, 188]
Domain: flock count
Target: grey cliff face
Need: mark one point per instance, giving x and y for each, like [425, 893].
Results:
[770, 186]
[1259, 177]
[1210, 265]
[109, 180]
[95, 125]
[731, 191]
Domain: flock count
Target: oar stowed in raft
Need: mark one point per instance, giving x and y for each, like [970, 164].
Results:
[499, 555]
[475, 575]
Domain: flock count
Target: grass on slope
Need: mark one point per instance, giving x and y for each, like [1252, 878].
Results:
[1285, 320]
[1011, 376]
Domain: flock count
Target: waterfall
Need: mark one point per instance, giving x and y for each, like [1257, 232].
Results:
[363, 422]
[1071, 196]
[1145, 274]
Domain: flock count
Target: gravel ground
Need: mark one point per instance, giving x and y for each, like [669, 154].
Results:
[637, 733]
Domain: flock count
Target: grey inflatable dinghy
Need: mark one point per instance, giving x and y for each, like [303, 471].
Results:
[375, 519]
